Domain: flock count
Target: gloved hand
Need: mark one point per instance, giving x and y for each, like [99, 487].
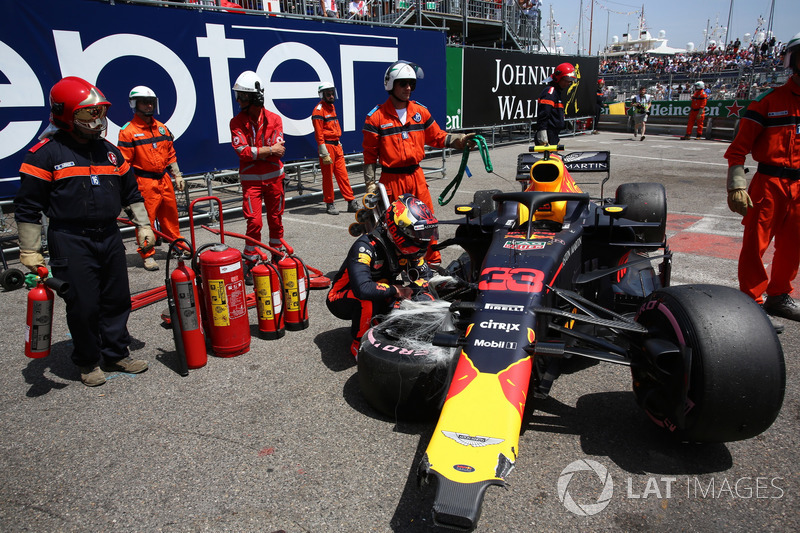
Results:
[180, 183]
[324, 155]
[541, 138]
[30, 245]
[404, 293]
[457, 141]
[369, 178]
[32, 260]
[738, 199]
[145, 237]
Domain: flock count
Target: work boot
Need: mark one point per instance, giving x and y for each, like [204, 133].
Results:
[92, 376]
[248, 275]
[331, 209]
[126, 364]
[641, 138]
[685, 138]
[150, 264]
[595, 132]
[353, 206]
[783, 306]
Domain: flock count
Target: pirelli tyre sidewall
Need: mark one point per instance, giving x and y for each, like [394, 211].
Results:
[399, 382]
[737, 373]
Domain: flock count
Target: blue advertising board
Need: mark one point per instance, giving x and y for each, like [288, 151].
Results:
[191, 59]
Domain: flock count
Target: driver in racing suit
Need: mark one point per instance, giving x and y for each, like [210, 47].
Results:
[366, 284]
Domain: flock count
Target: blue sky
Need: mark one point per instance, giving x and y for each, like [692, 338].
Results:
[683, 20]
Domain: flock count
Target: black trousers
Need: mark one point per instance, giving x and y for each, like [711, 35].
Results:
[99, 299]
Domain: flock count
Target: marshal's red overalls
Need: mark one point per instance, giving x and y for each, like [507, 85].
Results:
[770, 131]
[328, 131]
[262, 179]
[697, 114]
[400, 148]
[149, 150]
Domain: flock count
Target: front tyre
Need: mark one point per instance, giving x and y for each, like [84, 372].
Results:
[724, 378]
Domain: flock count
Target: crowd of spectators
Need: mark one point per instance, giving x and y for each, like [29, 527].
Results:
[767, 54]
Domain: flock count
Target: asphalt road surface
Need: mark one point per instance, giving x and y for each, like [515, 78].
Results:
[280, 438]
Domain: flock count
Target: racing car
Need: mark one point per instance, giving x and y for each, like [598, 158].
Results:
[549, 274]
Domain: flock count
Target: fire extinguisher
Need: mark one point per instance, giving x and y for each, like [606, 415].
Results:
[224, 300]
[269, 300]
[295, 292]
[39, 321]
[183, 301]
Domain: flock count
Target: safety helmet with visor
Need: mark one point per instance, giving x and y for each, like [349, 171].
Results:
[562, 71]
[402, 70]
[143, 94]
[699, 86]
[326, 86]
[411, 225]
[790, 59]
[78, 106]
[249, 89]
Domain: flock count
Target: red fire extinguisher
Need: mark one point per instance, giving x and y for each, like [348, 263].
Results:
[269, 300]
[39, 321]
[183, 301]
[225, 302]
[295, 291]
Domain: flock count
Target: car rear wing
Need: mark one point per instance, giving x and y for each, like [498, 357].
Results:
[590, 161]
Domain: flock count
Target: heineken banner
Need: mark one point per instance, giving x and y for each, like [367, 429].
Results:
[502, 87]
[714, 108]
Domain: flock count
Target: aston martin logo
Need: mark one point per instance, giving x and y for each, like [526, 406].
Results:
[469, 440]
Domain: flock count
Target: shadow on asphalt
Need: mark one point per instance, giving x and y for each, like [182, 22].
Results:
[610, 424]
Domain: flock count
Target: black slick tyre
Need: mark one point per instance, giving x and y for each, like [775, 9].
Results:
[400, 382]
[731, 366]
[646, 202]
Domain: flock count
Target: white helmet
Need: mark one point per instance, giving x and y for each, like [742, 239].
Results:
[699, 86]
[402, 70]
[140, 91]
[792, 47]
[249, 82]
[326, 85]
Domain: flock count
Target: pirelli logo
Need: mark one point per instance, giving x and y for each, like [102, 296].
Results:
[501, 307]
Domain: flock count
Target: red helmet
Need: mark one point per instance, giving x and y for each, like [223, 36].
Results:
[411, 225]
[600, 81]
[76, 104]
[562, 71]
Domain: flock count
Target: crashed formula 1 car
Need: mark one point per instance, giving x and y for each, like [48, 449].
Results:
[549, 274]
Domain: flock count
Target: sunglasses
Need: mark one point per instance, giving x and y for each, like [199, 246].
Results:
[407, 83]
[87, 114]
[147, 101]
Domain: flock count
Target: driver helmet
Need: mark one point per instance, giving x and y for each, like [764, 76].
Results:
[140, 92]
[411, 225]
[564, 70]
[402, 70]
[325, 86]
[792, 47]
[77, 105]
[699, 86]
[249, 86]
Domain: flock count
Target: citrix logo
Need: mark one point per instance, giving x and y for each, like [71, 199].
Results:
[491, 324]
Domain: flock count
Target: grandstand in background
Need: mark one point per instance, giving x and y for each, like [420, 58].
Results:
[506, 24]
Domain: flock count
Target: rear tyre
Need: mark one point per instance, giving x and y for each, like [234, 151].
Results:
[647, 202]
[727, 383]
